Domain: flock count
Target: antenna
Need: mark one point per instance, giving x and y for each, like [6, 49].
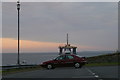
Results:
[67, 38]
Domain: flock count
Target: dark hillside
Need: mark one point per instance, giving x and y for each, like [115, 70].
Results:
[108, 58]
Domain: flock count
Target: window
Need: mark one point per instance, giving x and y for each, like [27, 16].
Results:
[70, 57]
[60, 58]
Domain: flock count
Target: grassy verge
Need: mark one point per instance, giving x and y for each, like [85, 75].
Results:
[103, 64]
[0, 73]
[10, 71]
[104, 60]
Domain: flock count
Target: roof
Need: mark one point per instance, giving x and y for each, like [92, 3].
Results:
[67, 46]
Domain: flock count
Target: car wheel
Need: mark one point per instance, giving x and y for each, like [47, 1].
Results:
[49, 66]
[77, 65]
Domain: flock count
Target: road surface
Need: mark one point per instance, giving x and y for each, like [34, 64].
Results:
[70, 72]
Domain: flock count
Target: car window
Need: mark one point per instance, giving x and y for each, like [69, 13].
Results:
[70, 57]
[60, 58]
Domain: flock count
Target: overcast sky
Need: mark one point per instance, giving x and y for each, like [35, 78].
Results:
[61, 0]
[87, 23]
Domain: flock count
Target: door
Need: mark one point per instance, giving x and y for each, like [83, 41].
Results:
[69, 60]
[60, 61]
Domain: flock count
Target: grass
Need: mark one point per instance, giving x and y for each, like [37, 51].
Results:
[0, 71]
[104, 60]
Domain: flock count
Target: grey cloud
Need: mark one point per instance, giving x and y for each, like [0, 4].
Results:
[87, 23]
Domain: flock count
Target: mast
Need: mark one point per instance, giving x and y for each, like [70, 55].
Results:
[67, 38]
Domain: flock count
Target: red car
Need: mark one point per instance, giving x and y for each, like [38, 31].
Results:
[65, 60]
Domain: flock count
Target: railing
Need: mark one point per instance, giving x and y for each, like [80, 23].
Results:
[4, 68]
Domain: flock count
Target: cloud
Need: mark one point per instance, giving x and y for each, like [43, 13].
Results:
[62, 0]
[9, 45]
[91, 24]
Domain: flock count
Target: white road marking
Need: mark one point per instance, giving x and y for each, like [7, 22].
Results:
[93, 73]
[82, 77]
[96, 76]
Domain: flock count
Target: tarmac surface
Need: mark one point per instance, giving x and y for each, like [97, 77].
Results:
[70, 72]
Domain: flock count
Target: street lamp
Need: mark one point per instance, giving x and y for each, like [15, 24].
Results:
[18, 8]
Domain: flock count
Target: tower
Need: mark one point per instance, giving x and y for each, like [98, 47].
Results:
[67, 49]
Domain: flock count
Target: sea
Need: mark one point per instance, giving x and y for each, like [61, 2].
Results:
[38, 58]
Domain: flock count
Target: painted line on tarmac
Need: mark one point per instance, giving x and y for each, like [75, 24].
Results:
[94, 74]
[82, 77]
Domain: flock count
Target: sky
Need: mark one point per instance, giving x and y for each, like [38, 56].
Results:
[44, 25]
[61, 0]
